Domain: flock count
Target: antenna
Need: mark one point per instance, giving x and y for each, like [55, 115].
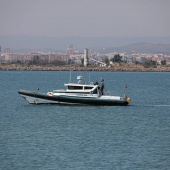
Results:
[70, 70]
[70, 75]
[89, 78]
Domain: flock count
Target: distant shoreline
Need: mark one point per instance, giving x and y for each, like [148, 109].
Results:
[124, 68]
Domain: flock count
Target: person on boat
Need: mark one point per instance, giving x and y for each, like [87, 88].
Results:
[125, 97]
[102, 86]
[96, 83]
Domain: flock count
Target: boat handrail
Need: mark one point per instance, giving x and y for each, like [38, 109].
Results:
[58, 91]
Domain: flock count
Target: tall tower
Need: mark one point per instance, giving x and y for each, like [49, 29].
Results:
[7, 54]
[7, 50]
[86, 53]
[70, 50]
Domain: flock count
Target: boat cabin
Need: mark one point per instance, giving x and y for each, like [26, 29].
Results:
[82, 88]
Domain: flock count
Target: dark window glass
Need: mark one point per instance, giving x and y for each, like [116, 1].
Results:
[75, 87]
[95, 91]
[87, 87]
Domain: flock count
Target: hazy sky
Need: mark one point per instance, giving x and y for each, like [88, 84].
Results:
[85, 18]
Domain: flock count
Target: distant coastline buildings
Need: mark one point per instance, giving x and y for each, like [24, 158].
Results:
[76, 57]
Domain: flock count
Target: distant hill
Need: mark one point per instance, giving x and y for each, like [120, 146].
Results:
[27, 44]
[140, 48]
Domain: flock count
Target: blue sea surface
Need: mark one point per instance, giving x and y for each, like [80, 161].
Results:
[54, 137]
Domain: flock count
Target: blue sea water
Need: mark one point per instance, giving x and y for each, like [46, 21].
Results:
[48, 137]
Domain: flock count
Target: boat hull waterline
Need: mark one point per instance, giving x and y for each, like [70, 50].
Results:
[40, 98]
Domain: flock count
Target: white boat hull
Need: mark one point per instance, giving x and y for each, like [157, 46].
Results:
[34, 100]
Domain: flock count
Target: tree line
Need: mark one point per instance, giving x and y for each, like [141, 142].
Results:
[117, 58]
[37, 60]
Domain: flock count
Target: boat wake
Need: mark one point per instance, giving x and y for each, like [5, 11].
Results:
[147, 105]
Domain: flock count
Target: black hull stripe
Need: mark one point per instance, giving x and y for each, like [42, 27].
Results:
[66, 99]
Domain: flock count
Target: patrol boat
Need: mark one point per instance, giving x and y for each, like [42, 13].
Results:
[75, 93]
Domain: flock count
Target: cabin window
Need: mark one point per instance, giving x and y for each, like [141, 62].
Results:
[87, 87]
[75, 87]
